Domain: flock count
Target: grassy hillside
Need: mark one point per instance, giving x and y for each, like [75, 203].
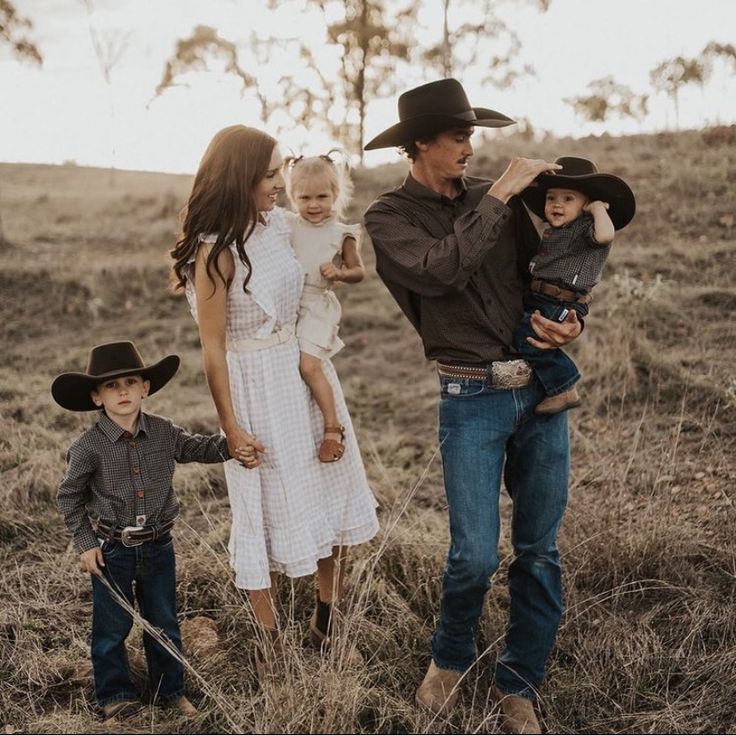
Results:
[648, 641]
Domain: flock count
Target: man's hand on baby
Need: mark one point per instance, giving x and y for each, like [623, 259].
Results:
[554, 334]
[330, 272]
[91, 560]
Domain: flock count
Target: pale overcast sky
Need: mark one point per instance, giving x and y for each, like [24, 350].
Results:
[61, 112]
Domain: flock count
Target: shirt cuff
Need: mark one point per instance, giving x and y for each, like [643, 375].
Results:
[85, 539]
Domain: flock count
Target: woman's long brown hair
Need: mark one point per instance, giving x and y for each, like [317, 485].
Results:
[223, 200]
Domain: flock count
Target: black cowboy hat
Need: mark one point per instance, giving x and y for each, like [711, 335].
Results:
[433, 108]
[112, 360]
[580, 174]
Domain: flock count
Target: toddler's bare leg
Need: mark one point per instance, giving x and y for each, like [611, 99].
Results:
[311, 369]
[333, 443]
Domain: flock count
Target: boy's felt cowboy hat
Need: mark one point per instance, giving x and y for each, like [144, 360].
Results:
[111, 360]
[580, 174]
[433, 108]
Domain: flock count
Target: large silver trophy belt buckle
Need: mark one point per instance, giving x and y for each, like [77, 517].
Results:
[125, 536]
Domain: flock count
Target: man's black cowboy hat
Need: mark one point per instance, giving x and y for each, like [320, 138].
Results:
[433, 108]
[580, 174]
[112, 360]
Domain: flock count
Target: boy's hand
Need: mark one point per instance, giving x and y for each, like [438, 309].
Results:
[90, 561]
[554, 334]
[330, 272]
[244, 447]
[595, 204]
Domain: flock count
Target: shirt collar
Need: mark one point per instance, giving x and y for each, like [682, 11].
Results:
[419, 191]
[114, 431]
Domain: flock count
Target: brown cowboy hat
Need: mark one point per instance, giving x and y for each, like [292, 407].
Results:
[112, 360]
[580, 174]
[433, 108]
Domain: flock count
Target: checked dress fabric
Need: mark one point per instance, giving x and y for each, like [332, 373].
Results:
[291, 510]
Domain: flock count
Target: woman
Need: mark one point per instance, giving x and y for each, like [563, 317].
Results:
[290, 514]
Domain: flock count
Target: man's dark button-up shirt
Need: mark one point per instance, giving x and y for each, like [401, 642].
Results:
[121, 478]
[456, 267]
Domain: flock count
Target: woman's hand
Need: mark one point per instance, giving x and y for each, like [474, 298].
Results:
[244, 447]
[595, 204]
[554, 334]
[91, 560]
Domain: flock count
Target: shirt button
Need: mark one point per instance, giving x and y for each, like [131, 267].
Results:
[136, 471]
[132, 444]
[140, 493]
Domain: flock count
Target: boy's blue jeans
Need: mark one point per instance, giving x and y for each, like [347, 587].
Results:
[152, 567]
[556, 371]
[479, 428]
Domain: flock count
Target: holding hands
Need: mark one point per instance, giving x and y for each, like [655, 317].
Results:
[244, 447]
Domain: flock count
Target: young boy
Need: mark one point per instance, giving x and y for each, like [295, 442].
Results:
[583, 208]
[120, 471]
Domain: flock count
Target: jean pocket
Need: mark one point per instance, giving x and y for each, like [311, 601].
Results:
[111, 548]
[461, 387]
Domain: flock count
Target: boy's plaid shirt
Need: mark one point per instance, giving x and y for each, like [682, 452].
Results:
[121, 478]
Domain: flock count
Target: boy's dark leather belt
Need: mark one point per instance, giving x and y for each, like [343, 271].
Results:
[134, 535]
[504, 374]
[550, 289]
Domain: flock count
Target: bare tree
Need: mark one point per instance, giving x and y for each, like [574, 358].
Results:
[109, 46]
[372, 38]
[671, 75]
[607, 97]
[464, 44]
[204, 46]
[12, 33]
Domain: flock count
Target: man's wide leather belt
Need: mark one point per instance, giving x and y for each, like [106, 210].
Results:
[504, 374]
[133, 535]
[551, 289]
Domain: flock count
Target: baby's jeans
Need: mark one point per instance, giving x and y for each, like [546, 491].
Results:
[554, 369]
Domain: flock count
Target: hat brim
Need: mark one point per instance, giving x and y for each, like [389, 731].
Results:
[605, 187]
[72, 390]
[417, 127]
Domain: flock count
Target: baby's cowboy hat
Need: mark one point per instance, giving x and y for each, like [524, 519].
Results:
[112, 360]
[582, 175]
[432, 108]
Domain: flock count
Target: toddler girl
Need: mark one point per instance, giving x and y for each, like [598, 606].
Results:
[319, 188]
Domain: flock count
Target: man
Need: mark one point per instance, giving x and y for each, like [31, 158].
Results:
[454, 252]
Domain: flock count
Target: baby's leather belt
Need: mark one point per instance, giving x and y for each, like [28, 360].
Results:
[503, 374]
[134, 535]
[551, 289]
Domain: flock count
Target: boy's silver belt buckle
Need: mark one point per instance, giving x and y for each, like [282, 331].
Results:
[127, 540]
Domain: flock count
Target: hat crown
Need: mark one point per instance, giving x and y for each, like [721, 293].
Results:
[443, 97]
[112, 357]
[574, 166]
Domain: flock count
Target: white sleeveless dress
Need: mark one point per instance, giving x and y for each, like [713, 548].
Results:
[292, 509]
[319, 310]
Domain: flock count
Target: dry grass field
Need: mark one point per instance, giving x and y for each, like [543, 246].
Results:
[648, 640]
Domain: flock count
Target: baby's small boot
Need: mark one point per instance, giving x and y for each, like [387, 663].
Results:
[558, 403]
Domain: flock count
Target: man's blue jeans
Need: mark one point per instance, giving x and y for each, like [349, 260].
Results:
[479, 428]
[555, 370]
[152, 567]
